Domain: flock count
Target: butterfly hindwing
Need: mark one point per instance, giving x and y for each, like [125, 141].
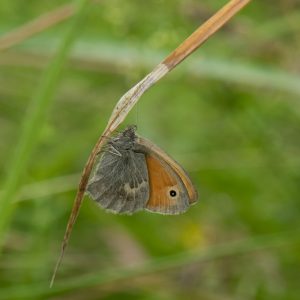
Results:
[120, 182]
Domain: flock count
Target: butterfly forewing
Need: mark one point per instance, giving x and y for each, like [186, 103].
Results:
[167, 192]
[172, 167]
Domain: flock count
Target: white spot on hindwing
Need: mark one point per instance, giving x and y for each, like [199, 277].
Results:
[133, 190]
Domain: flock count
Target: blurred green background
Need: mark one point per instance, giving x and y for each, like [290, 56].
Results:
[230, 114]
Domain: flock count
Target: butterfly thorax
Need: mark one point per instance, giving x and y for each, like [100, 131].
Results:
[125, 140]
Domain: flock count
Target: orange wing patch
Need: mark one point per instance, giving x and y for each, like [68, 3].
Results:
[165, 188]
[178, 173]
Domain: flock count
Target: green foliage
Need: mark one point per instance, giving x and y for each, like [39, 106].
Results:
[33, 121]
[229, 114]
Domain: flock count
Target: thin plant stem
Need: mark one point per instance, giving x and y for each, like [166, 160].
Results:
[35, 26]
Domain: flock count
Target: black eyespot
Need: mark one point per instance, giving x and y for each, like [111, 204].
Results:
[173, 193]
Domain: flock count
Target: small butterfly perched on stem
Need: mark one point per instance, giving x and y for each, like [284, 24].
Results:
[174, 193]
[134, 174]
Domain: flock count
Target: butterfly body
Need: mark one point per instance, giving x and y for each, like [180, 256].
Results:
[134, 174]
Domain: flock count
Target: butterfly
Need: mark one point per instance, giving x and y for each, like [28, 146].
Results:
[134, 174]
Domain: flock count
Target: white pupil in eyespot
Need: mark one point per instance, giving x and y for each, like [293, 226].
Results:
[173, 193]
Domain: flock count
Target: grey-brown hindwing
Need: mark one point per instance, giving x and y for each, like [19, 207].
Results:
[120, 182]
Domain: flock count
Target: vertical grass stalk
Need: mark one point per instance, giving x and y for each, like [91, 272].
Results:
[33, 122]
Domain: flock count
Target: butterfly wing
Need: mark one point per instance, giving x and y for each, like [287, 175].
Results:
[120, 182]
[171, 190]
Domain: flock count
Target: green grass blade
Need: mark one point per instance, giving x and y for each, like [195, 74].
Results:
[126, 56]
[156, 265]
[33, 122]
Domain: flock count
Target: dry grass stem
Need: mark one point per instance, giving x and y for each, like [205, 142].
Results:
[38, 25]
[126, 103]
